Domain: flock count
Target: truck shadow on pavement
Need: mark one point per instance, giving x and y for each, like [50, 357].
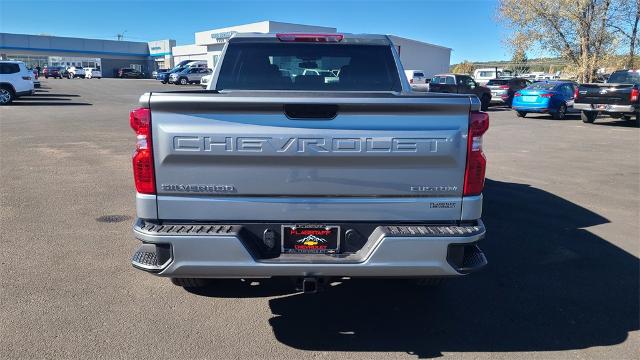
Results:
[550, 285]
[49, 99]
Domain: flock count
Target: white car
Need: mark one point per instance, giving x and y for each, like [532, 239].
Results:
[90, 73]
[74, 72]
[15, 81]
[205, 80]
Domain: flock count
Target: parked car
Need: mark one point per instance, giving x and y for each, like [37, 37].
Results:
[417, 80]
[619, 97]
[190, 75]
[503, 89]
[155, 73]
[205, 80]
[327, 75]
[90, 73]
[129, 73]
[164, 76]
[460, 84]
[307, 179]
[546, 97]
[15, 81]
[73, 72]
[52, 71]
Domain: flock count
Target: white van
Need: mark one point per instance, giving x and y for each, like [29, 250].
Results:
[417, 79]
[482, 76]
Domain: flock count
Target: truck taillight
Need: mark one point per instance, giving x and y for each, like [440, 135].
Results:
[309, 37]
[476, 161]
[635, 95]
[576, 93]
[143, 172]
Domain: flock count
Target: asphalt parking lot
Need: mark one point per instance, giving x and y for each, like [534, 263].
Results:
[561, 208]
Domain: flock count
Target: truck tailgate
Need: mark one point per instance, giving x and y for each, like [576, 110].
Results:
[309, 157]
[613, 94]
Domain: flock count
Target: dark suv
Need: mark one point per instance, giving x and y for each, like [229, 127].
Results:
[52, 71]
[130, 73]
[503, 89]
[460, 84]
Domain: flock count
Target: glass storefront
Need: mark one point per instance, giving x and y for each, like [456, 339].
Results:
[33, 61]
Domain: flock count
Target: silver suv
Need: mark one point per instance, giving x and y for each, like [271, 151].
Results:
[189, 76]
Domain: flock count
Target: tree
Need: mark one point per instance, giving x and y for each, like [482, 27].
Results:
[519, 62]
[577, 30]
[625, 24]
[464, 67]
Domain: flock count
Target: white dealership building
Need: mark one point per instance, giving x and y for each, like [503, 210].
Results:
[415, 55]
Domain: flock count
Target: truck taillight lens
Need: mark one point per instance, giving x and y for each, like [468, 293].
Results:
[143, 172]
[476, 161]
[635, 95]
[504, 87]
[575, 93]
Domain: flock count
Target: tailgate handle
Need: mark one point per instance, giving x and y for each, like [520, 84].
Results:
[310, 111]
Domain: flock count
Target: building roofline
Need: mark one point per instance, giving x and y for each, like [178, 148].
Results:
[420, 42]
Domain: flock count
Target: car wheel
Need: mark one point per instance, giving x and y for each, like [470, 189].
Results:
[484, 102]
[189, 282]
[560, 113]
[46, 76]
[184, 81]
[588, 116]
[164, 82]
[521, 114]
[6, 95]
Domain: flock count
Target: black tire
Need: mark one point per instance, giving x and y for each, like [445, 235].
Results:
[189, 282]
[588, 116]
[560, 114]
[485, 102]
[6, 95]
[521, 114]
[46, 76]
[183, 81]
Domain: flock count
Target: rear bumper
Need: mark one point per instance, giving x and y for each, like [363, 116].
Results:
[608, 108]
[531, 109]
[210, 251]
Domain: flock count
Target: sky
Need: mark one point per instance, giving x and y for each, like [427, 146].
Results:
[469, 27]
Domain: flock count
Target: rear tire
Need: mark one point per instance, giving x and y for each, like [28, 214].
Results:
[588, 116]
[183, 81]
[484, 102]
[560, 114]
[521, 114]
[189, 282]
[6, 95]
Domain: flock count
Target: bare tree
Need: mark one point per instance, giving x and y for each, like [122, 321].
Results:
[625, 24]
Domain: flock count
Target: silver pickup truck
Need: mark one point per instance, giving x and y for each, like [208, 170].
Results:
[274, 171]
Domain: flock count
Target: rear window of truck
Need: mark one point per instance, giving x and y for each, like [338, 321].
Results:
[624, 77]
[314, 67]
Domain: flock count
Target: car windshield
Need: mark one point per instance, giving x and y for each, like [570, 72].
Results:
[542, 86]
[497, 82]
[624, 77]
[259, 66]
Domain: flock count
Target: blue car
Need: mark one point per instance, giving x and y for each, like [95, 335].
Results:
[546, 97]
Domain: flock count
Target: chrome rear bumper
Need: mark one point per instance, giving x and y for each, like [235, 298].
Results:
[211, 250]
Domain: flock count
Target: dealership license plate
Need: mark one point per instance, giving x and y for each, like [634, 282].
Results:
[600, 106]
[310, 239]
[529, 98]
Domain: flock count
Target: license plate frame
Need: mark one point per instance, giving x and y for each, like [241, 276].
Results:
[310, 239]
